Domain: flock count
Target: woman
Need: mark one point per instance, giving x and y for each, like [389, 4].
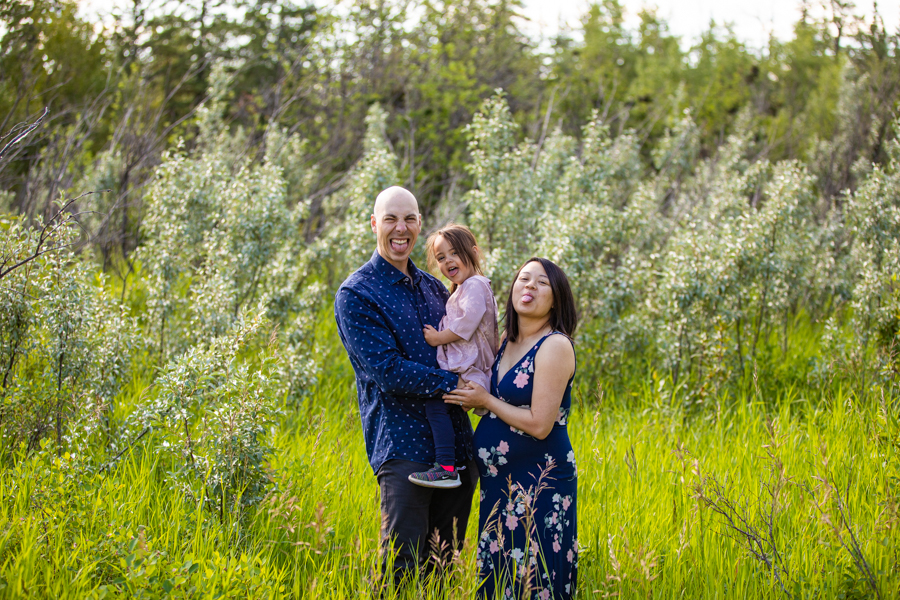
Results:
[527, 542]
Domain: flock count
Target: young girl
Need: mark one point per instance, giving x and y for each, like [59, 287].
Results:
[467, 340]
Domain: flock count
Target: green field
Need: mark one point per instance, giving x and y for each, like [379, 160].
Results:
[182, 191]
[665, 497]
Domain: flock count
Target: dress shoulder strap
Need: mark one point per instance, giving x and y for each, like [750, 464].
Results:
[554, 332]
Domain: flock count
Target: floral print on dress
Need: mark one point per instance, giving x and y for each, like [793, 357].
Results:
[494, 457]
[519, 516]
[523, 373]
[557, 520]
[528, 518]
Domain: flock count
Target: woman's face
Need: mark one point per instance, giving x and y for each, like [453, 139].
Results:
[532, 295]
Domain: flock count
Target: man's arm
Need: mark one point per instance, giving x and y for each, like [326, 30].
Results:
[369, 341]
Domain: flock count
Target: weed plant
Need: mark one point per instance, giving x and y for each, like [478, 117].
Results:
[192, 431]
[767, 496]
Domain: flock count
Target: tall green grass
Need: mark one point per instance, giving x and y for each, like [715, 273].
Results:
[646, 526]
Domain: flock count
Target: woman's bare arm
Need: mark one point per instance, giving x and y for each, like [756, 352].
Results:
[553, 367]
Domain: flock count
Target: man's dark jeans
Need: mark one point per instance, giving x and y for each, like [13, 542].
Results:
[410, 514]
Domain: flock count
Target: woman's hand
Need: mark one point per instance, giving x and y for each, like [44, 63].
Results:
[553, 367]
[470, 396]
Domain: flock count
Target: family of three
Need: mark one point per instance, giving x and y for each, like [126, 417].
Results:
[423, 357]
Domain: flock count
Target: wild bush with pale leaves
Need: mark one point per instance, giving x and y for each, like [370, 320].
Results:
[65, 347]
[693, 266]
[209, 413]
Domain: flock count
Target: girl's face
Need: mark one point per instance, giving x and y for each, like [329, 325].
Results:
[450, 262]
[532, 295]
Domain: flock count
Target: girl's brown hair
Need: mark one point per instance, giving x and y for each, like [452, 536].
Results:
[460, 239]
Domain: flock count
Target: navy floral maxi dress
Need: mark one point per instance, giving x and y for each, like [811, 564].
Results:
[527, 545]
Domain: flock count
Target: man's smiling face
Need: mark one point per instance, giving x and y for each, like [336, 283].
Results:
[396, 223]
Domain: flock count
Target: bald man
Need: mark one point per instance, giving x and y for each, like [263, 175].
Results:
[381, 311]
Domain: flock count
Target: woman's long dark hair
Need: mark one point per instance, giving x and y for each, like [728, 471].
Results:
[563, 316]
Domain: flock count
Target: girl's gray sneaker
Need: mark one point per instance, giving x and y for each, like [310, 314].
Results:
[436, 477]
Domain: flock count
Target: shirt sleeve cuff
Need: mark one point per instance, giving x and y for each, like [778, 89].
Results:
[448, 381]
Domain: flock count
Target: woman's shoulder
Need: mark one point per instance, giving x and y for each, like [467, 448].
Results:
[558, 348]
[558, 340]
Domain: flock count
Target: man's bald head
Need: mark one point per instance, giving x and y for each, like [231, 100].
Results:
[394, 196]
[396, 223]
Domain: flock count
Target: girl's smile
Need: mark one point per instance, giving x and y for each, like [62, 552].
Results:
[451, 263]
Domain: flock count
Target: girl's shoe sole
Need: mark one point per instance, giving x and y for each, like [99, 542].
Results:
[443, 484]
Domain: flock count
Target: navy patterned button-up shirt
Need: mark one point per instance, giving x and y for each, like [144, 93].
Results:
[380, 314]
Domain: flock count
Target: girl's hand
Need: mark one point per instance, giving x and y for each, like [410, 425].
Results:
[432, 336]
[471, 396]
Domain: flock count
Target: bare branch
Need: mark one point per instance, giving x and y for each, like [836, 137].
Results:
[760, 543]
[54, 224]
[25, 133]
[853, 547]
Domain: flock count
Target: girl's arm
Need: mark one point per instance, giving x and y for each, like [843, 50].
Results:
[554, 365]
[462, 324]
[439, 338]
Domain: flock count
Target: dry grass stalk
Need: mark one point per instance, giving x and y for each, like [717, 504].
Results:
[633, 568]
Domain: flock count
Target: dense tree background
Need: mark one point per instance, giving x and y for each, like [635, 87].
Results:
[120, 95]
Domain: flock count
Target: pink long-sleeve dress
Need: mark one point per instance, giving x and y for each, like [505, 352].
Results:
[472, 315]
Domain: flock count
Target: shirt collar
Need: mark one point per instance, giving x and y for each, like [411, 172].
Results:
[392, 274]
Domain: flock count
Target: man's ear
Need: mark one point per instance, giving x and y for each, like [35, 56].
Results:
[372, 220]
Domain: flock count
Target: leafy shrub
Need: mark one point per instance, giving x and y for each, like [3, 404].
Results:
[701, 267]
[214, 223]
[65, 346]
[210, 412]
